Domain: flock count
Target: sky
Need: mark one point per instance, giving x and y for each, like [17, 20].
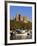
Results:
[23, 10]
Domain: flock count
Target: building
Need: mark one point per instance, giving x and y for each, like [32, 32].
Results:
[25, 19]
[21, 18]
[17, 17]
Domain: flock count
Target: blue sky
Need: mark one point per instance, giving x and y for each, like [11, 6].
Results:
[23, 10]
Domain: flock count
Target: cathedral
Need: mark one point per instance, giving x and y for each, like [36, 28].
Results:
[21, 18]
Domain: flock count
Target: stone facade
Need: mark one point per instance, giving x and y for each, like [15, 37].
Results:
[21, 18]
[25, 19]
[17, 17]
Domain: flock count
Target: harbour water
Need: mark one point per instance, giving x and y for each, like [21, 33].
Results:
[16, 36]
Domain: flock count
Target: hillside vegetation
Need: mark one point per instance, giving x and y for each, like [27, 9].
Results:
[20, 25]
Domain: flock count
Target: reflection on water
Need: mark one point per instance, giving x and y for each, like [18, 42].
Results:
[20, 36]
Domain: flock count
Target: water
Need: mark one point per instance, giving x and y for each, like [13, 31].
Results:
[17, 37]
